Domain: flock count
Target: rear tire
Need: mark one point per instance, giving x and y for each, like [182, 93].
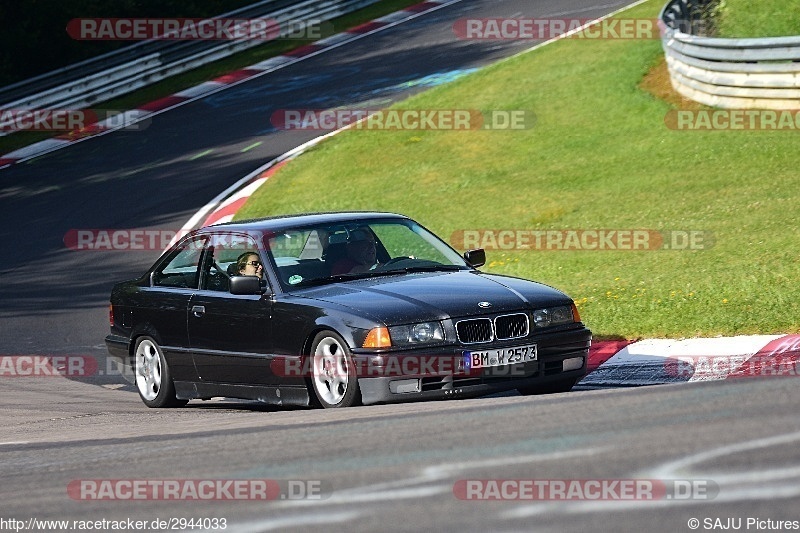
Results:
[152, 375]
[334, 380]
[554, 387]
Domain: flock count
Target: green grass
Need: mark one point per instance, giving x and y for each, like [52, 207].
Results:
[759, 18]
[207, 72]
[600, 156]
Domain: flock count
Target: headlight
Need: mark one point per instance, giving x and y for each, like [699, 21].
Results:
[422, 333]
[553, 316]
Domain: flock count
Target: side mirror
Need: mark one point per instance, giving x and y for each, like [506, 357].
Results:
[247, 285]
[475, 258]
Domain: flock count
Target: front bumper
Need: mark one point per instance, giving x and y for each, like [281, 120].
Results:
[553, 348]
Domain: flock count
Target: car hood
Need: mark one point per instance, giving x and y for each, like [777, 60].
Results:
[415, 297]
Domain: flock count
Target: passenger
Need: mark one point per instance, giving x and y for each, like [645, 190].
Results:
[361, 253]
[249, 264]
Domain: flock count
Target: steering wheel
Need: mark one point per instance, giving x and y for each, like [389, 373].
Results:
[220, 270]
[396, 260]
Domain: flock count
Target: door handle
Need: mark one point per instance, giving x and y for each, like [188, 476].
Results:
[198, 310]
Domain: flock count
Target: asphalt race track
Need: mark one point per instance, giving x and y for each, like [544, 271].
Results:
[707, 451]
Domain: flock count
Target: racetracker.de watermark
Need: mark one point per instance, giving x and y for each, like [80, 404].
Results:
[128, 239]
[582, 239]
[37, 366]
[584, 489]
[150, 239]
[199, 489]
[702, 367]
[732, 120]
[195, 29]
[66, 120]
[507, 362]
[525, 29]
[45, 119]
[778, 359]
[403, 119]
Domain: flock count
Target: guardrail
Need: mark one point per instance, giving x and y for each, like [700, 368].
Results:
[728, 73]
[132, 67]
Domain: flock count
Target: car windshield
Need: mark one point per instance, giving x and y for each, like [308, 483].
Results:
[315, 255]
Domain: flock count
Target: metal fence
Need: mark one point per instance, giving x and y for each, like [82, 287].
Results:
[132, 67]
[728, 73]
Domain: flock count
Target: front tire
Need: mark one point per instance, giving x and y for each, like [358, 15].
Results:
[153, 379]
[334, 379]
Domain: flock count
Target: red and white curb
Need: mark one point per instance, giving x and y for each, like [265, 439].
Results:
[228, 208]
[662, 361]
[221, 83]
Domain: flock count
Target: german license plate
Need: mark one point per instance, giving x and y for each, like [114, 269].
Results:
[500, 356]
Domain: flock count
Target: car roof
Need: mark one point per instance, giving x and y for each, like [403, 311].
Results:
[283, 222]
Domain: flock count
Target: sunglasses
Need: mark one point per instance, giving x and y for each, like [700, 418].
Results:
[253, 263]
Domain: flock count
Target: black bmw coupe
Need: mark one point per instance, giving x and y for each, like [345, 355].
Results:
[337, 309]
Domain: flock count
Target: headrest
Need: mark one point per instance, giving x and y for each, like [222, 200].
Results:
[359, 235]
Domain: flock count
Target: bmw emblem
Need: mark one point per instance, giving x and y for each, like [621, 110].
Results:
[484, 305]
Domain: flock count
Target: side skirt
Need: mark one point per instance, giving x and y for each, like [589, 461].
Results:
[191, 390]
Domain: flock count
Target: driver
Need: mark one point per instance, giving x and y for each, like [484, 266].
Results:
[249, 264]
[361, 253]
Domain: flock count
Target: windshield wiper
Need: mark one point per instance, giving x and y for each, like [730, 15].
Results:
[427, 268]
[333, 279]
[377, 273]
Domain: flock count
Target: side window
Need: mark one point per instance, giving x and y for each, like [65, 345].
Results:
[225, 249]
[183, 268]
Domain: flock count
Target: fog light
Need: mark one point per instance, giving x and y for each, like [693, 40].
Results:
[573, 363]
[402, 386]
